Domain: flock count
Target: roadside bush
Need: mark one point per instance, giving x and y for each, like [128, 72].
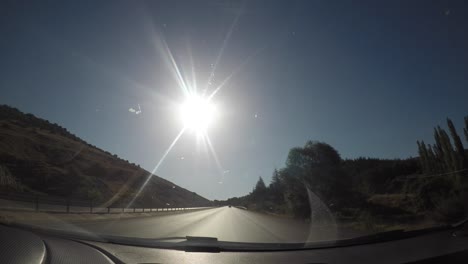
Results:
[8, 181]
[368, 222]
[431, 192]
[452, 209]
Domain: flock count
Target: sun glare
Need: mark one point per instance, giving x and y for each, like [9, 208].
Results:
[197, 113]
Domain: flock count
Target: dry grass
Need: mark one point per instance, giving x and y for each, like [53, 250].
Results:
[8, 181]
[52, 163]
[51, 219]
[397, 201]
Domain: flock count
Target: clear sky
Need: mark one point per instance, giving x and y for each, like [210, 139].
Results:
[368, 77]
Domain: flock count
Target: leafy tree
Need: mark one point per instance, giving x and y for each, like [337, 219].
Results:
[276, 188]
[313, 154]
[275, 180]
[316, 167]
[434, 190]
[445, 191]
[260, 188]
[457, 142]
[424, 156]
[295, 197]
[459, 158]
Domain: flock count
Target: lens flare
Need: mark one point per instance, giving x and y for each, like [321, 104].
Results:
[197, 113]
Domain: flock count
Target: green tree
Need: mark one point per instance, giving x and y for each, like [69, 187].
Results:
[433, 164]
[424, 157]
[259, 190]
[316, 167]
[259, 194]
[276, 188]
[260, 186]
[444, 194]
[460, 160]
[446, 149]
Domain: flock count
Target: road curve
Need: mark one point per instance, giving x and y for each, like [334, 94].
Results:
[225, 223]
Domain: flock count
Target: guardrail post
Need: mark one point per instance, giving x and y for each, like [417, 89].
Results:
[133, 209]
[91, 207]
[123, 209]
[68, 206]
[108, 210]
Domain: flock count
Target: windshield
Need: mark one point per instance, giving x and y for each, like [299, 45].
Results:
[244, 121]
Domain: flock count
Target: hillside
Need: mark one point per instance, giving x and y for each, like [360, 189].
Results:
[40, 157]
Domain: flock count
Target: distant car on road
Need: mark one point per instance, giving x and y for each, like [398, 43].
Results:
[229, 206]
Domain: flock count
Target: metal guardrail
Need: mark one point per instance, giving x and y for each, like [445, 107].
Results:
[38, 203]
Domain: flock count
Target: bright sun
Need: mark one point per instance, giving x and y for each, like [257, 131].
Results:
[197, 113]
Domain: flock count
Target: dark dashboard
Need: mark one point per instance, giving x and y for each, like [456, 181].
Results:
[20, 245]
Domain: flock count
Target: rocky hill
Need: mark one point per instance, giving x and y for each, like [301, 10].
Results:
[37, 156]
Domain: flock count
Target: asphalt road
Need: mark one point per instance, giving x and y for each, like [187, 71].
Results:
[226, 224]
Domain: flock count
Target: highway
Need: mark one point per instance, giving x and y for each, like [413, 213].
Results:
[224, 223]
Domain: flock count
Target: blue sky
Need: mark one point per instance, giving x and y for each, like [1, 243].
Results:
[369, 78]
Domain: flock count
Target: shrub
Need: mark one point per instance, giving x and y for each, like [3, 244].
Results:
[8, 181]
[452, 209]
[431, 192]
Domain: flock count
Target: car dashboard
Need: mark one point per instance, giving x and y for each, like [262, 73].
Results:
[22, 245]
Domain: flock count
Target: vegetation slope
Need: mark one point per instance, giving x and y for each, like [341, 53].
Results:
[316, 182]
[39, 157]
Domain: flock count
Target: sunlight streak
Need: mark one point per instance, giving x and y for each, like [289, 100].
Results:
[174, 67]
[198, 109]
[201, 143]
[234, 72]
[221, 50]
[215, 156]
[157, 166]
[220, 86]
[193, 85]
